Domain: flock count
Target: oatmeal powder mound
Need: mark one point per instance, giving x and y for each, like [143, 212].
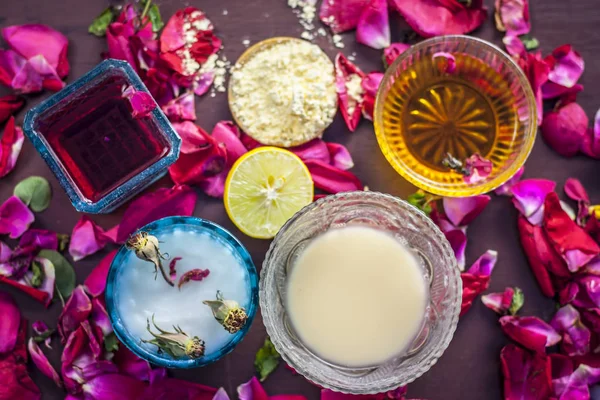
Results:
[284, 94]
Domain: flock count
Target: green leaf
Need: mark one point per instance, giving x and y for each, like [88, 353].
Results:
[43, 336]
[420, 200]
[63, 270]
[267, 360]
[530, 43]
[35, 192]
[101, 22]
[111, 343]
[517, 301]
[155, 18]
[38, 274]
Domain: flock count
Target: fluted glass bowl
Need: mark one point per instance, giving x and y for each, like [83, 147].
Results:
[451, 123]
[412, 228]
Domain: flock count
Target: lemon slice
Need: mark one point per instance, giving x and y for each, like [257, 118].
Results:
[264, 188]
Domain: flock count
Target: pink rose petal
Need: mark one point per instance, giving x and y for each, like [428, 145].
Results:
[448, 63]
[564, 130]
[392, 52]
[567, 66]
[181, 108]
[576, 385]
[341, 15]
[441, 17]
[346, 73]
[512, 16]
[142, 104]
[9, 105]
[164, 202]
[87, 238]
[370, 85]
[529, 196]
[530, 332]
[40, 239]
[316, 149]
[214, 186]
[506, 188]
[15, 217]
[77, 309]
[118, 40]
[477, 168]
[10, 146]
[575, 335]
[527, 375]
[204, 82]
[458, 242]
[95, 283]
[373, 27]
[463, 210]
[99, 316]
[41, 362]
[11, 320]
[17, 74]
[221, 395]
[35, 39]
[227, 133]
[253, 390]
[50, 79]
[514, 45]
[340, 156]
[484, 264]
[331, 179]
[499, 302]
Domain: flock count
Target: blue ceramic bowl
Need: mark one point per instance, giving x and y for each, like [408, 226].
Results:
[119, 263]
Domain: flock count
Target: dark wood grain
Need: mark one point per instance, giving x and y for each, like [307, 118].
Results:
[469, 370]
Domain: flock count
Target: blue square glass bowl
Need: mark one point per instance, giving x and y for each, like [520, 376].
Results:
[114, 292]
[99, 153]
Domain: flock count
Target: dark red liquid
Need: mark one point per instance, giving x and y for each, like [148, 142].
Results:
[97, 140]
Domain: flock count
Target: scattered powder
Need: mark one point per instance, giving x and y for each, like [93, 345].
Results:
[196, 22]
[337, 41]
[322, 32]
[246, 42]
[352, 56]
[306, 11]
[355, 92]
[225, 12]
[284, 95]
[219, 67]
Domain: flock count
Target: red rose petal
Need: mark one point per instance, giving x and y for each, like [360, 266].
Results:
[538, 252]
[11, 320]
[77, 309]
[346, 73]
[10, 147]
[473, 286]
[95, 283]
[530, 332]
[463, 210]
[9, 105]
[527, 375]
[331, 179]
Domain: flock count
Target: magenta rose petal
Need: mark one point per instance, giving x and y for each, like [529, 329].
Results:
[40, 239]
[529, 196]
[564, 130]
[50, 79]
[252, 390]
[575, 336]
[113, 387]
[221, 395]
[567, 66]
[142, 104]
[551, 90]
[173, 268]
[164, 202]
[499, 302]
[227, 133]
[478, 169]
[514, 45]
[527, 375]
[473, 286]
[214, 186]
[130, 364]
[170, 388]
[11, 320]
[41, 329]
[536, 69]
[15, 217]
[348, 84]
[458, 242]
[193, 275]
[95, 283]
[340, 156]
[506, 188]
[77, 309]
[181, 108]
[392, 52]
[17, 74]
[10, 146]
[331, 179]
[99, 316]
[35, 39]
[316, 149]
[569, 240]
[463, 210]
[342, 16]
[370, 83]
[448, 63]
[576, 385]
[484, 265]
[87, 238]
[373, 27]
[41, 362]
[434, 18]
[530, 332]
[512, 16]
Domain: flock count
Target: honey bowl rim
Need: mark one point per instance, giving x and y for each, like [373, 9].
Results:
[455, 190]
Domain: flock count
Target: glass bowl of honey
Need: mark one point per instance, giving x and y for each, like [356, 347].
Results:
[360, 292]
[426, 114]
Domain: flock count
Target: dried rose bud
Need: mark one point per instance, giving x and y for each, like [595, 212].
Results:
[228, 313]
[176, 344]
[146, 248]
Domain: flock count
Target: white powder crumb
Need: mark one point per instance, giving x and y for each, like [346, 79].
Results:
[355, 92]
[225, 12]
[352, 57]
[337, 41]
[246, 42]
[307, 35]
[322, 32]
[284, 95]
[219, 68]
[306, 12]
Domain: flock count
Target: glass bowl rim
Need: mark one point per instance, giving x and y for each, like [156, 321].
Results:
[443, 343]
[524, 150]
[132, 343]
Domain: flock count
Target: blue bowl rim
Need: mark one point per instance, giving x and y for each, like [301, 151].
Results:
[107, 202]
[154, 358]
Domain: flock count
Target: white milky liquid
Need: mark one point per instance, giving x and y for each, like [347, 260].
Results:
[140, 295]
[356, 296]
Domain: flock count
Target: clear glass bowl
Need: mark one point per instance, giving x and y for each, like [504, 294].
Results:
[113, 292]
[412, 228]
[505, 96]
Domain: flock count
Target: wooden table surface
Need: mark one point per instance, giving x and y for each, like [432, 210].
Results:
[469, 369]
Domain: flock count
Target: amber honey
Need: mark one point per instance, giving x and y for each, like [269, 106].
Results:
[429, 113]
